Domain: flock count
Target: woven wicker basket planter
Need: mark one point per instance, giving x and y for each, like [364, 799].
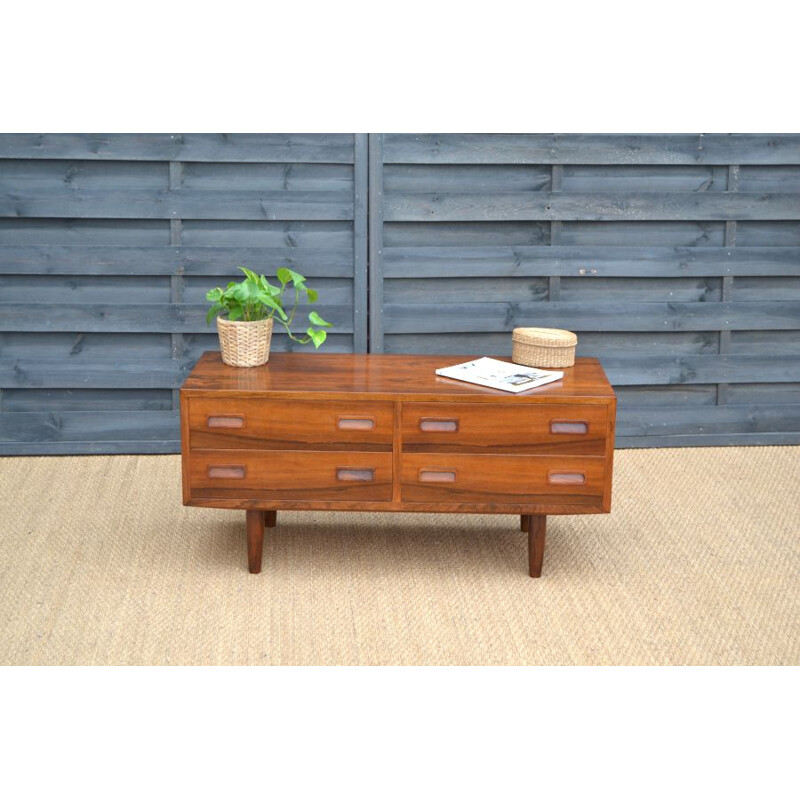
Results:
[543, 347]
[245, 344]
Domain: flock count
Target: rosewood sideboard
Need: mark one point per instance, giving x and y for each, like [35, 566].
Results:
[352, 432]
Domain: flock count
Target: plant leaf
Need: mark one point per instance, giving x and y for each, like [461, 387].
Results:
[250, 274]
[242, 292]
[296, 278]
[284, 275]
[312, 295]
[318, 337]
[213, 311]
[268, 287]
[316, 319]
[269, 301]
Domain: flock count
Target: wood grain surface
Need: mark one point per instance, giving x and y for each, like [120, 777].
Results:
[373, 377]
[271, 424]
[504, 428]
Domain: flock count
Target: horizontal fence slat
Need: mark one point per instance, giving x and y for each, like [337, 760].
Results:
[91, 448]
[336, 262]
[98, 289]
[145, 318]
[637, 290]
[596, 290]
[463, 290]
[111, 373]
[68, 426]
[588, 261]
[670, 420]
[605, 206]
[764, 288]
[710, 440]
[649, 178]
[238, 147]
[640, 369]
[490, 317]
[179, 204]
[684, 395]
[764, 393]
[472, 178]
[79, 349]
[554, 148]
[127, 290]
[764, 343]
[112, 233]
[85, 400]
[408, 262]
[598, 234]
[43, 174]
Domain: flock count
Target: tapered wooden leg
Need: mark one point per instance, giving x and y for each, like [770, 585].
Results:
[537, 525]
[255, 540]
[270, 519]
[523, 522]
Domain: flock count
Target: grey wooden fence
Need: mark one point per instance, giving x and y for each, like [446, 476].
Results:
[676, 259]
[108, 244]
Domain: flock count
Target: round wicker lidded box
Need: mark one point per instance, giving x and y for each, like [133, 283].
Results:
[543, 347]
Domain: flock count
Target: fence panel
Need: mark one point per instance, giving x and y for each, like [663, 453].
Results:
[108, 244]
[676, 259]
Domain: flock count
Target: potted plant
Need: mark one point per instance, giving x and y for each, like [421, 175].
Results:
[245, 312]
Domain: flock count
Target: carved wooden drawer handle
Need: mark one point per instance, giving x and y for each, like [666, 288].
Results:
[356, 423]
[434, 425]
[355, 474]
[437, 476]
[225, 422]
[565, 478]
[226, 472]
[568, 426]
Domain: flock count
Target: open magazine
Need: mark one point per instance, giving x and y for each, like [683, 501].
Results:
[500, 374]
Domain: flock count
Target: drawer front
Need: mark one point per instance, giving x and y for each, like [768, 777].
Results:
[289, 424]
[467, 478]
[504, 428]
[291, 475]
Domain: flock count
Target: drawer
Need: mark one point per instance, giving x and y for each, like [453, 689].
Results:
[467, 478]
[291, 475]
[504, 428]
[289, 424]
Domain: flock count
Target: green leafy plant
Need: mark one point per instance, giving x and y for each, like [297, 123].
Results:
[255, 298]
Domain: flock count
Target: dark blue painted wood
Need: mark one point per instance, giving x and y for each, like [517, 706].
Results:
[592, 148]
[108, 243]
[288, 148]
[676, 259]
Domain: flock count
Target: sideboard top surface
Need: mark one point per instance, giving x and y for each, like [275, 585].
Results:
[388, 375]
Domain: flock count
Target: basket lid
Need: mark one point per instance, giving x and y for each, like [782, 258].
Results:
[545, 337]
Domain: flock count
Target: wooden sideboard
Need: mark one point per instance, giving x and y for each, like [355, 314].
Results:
[352, 432]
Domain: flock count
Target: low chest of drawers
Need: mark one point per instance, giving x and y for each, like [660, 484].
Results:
[352, 432]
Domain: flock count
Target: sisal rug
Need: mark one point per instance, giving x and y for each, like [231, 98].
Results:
[698, 563]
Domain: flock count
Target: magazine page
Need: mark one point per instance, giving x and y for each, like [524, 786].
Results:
[500, 375]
